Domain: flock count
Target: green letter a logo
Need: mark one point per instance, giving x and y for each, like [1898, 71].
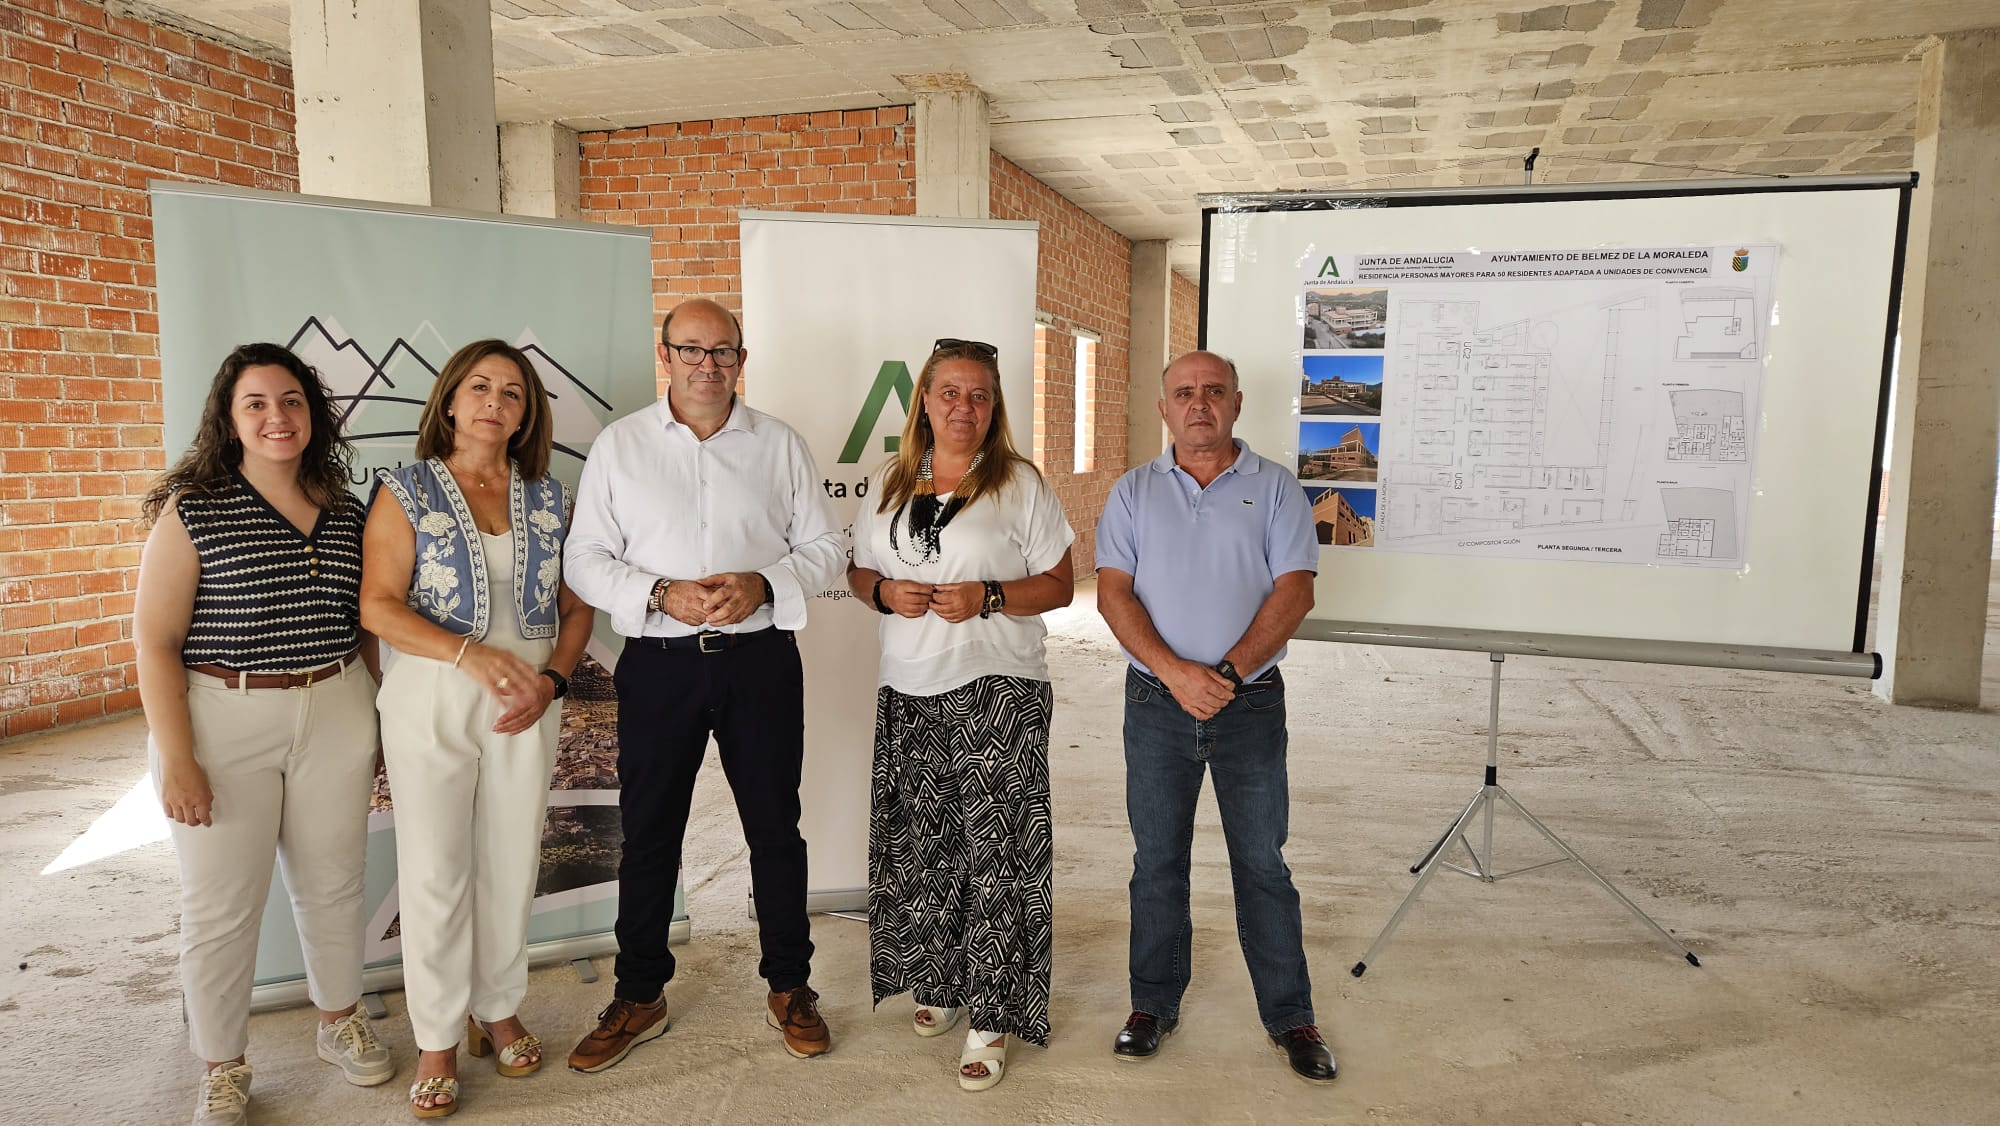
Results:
[893, 376]
[1327, 268]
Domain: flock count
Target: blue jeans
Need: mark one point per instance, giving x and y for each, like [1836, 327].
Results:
[1166, 752]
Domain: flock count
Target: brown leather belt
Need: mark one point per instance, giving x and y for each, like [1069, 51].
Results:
[230, 678]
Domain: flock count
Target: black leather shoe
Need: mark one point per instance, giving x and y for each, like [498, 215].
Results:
[1307, 1052]
[1141, 1036]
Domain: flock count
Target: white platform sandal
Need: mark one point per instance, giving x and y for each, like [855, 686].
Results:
[936, 1020]
[437, 1086]
[989, 1048]
[479, 1043]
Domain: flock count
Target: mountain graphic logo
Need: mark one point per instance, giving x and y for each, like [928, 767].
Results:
[379, 402]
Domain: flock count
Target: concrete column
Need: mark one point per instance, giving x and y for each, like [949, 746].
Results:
[954, 147]
[1152, 304]
[395, 101]
[1938, 547]
[538, 170]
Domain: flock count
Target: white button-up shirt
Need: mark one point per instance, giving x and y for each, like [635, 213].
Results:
[656, 502]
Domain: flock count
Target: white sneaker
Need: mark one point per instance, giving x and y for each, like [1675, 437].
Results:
[350, 1043]
[224, 1093]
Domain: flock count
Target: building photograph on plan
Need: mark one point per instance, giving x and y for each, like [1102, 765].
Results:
[1345, 318]
[1341, 384]
[1339, 451]
[1343, 517]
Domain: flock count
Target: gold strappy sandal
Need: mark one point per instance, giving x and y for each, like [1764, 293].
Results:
[507, 1062]
[437, 1085]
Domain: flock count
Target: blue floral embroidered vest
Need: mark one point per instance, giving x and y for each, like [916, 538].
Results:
[449, 584]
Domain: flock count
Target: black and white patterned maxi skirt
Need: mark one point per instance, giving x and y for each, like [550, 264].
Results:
[959, 852]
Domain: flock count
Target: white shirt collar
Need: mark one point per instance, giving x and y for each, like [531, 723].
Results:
[741, 417]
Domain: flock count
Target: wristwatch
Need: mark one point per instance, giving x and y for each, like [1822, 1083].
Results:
[1229, 671]
[562, 682]
[995, 600]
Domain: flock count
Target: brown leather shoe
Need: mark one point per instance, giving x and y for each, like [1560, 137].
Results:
[621, 1027]
[796, 1014]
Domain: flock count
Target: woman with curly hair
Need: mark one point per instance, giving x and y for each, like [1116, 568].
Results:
[463, 578]
[261, 736]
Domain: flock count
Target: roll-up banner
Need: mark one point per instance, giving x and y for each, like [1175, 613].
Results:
[839, 315]
[377, 297]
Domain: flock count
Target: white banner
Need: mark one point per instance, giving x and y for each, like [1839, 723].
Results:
[839, 314]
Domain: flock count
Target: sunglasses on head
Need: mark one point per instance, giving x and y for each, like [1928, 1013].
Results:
[978, 348]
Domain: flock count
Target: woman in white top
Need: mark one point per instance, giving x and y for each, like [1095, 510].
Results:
[462, 576]
[964, 549]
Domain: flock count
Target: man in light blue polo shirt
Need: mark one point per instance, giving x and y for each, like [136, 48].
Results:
[1205, 566]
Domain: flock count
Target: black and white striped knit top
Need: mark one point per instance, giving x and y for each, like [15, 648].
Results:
[270, 599]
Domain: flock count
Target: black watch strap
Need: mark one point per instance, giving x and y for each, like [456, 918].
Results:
[881, 607]
[1229, 672]
[562, 682]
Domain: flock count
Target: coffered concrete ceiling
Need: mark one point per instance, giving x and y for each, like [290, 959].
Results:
[1132, 107]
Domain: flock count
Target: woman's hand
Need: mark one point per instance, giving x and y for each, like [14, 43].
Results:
[525, 710]
[508, 678]
[911, 600]
[955, 602]
[184, 793]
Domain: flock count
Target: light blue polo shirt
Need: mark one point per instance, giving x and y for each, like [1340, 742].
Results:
[1203, 561]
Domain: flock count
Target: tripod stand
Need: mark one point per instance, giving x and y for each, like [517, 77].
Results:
[1482, 859]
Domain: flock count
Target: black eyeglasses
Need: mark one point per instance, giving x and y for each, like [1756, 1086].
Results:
[978, 348]
[691, 354]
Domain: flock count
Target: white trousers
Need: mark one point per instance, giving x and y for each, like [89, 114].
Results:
[291, 770]
[469, 811]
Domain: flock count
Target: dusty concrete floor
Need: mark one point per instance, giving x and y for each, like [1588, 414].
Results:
[1830, 858]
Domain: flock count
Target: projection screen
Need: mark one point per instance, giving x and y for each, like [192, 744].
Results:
[1649, 412]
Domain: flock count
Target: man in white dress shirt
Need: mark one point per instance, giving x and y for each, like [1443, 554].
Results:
[702, 528]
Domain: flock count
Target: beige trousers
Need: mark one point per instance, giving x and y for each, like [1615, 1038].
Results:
[469, 811]
[291, 769]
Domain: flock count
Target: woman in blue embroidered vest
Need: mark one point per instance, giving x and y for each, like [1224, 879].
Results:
[463, 579]
[262, 736]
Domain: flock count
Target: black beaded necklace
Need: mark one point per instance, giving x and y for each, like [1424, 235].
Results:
[928, 517]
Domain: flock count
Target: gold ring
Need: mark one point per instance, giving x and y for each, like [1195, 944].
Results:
[503, 682]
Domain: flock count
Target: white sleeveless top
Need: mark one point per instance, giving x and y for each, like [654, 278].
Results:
[503, 631]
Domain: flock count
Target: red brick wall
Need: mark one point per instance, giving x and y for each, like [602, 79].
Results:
[1083, 284]
[93, 105]
[687, 180]
[1183, 317]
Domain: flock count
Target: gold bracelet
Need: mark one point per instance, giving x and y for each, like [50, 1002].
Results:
[461, 650]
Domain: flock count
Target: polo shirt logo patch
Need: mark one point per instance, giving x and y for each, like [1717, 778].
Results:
[1247, 500]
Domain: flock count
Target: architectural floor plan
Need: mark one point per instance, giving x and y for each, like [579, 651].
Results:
[1701, 524]
[1568, 431]
[1720, 323]
[1708, 426]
